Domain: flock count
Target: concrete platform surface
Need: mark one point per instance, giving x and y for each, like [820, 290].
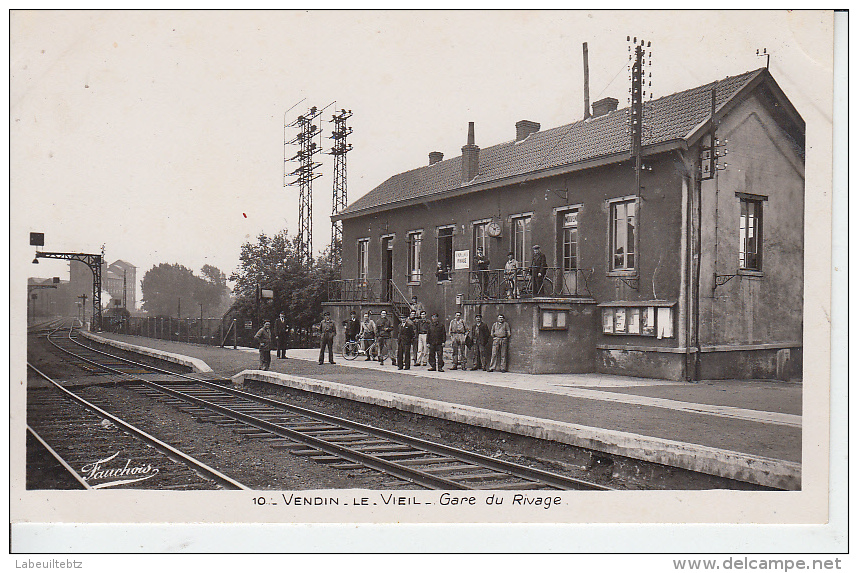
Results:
[749, 430]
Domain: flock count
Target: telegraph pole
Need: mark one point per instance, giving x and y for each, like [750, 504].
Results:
[638, 92]
[304, 175]
[339, 150]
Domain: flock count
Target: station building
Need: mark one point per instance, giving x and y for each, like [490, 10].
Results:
[694, 275]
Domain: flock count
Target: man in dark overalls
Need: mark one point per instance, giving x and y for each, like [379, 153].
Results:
[329, 331]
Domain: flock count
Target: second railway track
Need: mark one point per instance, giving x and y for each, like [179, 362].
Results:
[337, 442]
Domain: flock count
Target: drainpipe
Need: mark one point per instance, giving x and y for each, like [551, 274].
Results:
[682, 319]
[698, 186]
[686, 322]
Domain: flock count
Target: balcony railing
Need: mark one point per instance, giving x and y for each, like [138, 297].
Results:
[498, 284]
[367, 291]
[358, 290]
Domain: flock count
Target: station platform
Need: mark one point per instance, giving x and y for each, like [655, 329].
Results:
[738, 429]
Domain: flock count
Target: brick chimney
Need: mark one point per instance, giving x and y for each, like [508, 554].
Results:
[470, 157]
[604, 106]
[524, 128]
[435, 157]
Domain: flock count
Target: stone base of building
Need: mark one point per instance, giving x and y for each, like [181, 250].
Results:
[666, 363]
[767, 361]
[747, 362]
[549, 335]
[558, 336]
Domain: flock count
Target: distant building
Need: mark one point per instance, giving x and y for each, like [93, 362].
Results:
[688, 277]
[122, 281]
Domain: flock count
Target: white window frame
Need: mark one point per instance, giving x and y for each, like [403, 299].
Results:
[560, 229]
[757, 201]
[626, 268]
[363, 258]
[438, 235]
[415, 241]
[527, 244]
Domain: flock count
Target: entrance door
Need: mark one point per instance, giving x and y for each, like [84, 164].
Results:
[569, 249]
[386, 267]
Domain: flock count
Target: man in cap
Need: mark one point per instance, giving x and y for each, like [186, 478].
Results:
[263, 336]
[406, 335]
[384, 329]
[480, 338]
[500, 344]
[436, 338]
[281, 332]
[329, 331]
[538, 267]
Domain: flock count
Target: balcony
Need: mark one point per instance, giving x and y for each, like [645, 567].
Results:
[498, 284]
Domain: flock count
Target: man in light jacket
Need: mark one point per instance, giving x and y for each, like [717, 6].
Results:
[500, 344]
[458, 332]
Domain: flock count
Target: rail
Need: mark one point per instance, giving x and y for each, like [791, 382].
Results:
[329, 439]
[500, 284]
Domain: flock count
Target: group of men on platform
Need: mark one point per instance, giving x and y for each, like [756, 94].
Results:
[420, 340]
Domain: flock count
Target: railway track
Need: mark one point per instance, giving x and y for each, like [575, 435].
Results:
[338, 442]
[101, 450]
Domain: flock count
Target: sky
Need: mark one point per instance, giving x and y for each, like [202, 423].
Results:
[160, 134]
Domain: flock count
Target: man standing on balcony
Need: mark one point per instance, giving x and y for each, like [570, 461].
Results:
[481, 264]
[510, 275]
[281, 332]
[329, 331]
[458, 331]
[538, 267]
[384, 329]
[436, 338]
[500, 344]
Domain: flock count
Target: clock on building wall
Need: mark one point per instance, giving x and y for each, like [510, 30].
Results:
[493, 229]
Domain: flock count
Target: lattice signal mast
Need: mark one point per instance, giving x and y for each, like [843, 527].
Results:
[339, 150]
[304, 175]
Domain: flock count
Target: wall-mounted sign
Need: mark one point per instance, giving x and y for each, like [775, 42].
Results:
[462, 260]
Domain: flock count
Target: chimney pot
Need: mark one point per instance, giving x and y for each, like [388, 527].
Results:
[524, 128]
[435, 157]
[470, 157]
[604, 106]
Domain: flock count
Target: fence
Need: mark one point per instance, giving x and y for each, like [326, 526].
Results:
[499, 284]
[211, 331]
[195, 330]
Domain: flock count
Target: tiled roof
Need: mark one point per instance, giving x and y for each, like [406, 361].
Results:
[666, 119]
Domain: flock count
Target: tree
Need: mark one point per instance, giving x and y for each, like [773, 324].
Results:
[165, 285]
[274, 263]
[213, 291]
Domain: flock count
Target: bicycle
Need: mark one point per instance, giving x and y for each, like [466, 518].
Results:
[354, 348]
